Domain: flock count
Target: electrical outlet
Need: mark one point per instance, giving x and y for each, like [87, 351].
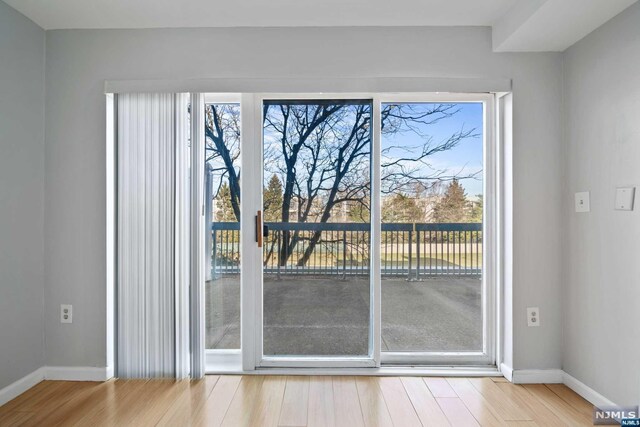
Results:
[533, 316]
[66, 313]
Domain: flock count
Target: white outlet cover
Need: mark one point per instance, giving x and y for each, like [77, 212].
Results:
[533, 316]
[624, 198]
[66, 313]
[582, 202]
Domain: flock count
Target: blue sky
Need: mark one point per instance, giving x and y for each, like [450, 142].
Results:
[464, 159]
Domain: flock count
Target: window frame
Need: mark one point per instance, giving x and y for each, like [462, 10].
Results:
[250, 356]
[486, 357]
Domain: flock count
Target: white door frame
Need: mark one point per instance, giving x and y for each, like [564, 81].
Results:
[252, 283]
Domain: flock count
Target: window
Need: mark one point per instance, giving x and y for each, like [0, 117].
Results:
[222, 219]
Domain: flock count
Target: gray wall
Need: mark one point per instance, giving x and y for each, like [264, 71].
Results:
[599, 337]
[21, 195]
[602, 275]
[79, 61]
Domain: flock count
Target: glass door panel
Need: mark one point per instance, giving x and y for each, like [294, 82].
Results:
[316, 202]
[222, 216]
[432, 227]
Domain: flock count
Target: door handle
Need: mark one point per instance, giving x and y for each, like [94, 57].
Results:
[259, 231]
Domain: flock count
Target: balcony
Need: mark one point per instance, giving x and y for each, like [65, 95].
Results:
[431, 287]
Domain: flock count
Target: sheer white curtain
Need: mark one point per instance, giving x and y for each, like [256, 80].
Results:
[153, 232]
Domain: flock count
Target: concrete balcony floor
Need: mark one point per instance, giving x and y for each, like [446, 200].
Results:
[326, 315]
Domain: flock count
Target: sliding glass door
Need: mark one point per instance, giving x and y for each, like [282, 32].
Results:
[368, 228]
[316, 209]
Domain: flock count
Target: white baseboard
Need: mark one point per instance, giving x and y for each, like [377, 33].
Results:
[585, 391]
[18, 387]
[537, 376]
[78, 373]
[507, 371]
[64, 373]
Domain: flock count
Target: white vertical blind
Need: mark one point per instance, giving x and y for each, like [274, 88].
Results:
[146, 139]
[182, 238]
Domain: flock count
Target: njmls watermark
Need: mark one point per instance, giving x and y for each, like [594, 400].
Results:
[616, 415]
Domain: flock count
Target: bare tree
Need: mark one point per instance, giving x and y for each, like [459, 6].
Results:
[321, 151]
[403, 167]
[222, 149]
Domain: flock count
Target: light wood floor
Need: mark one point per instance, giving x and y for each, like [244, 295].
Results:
[298, 401]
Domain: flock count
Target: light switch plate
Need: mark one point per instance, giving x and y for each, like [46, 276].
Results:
[624, 198]
[582, 202]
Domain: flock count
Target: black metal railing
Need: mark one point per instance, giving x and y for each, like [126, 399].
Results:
[411, 250]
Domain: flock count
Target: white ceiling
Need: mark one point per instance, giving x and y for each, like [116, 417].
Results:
[54, 14]
[552, 25]
[521, 25]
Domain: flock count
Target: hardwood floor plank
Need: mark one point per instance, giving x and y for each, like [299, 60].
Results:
[372, 402]
[348, 412]
[506, 408]
[423, 402]
[296, 402]
[243, 403]
[539, 412]
[36, 394]
[456, 412]
[120, 407]
[439, 387]
[56, 406]
[481, 409]
[561, 409]
[46, 393]
[398, 402]
[189, 403]
[269, 402]
[572, 398]
[499, 380]
[74, 410]
[14, 418]
[215, 408]
[321, 405]
[155, 400]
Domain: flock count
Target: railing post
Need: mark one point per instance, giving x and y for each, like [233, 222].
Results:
[277, 254]
[344, 254]
[410, 253]
[417, 253]
[214, 247]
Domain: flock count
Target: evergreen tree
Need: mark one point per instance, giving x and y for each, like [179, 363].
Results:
[453, 206]
[401, 208]
[359, 211]
[476, 210]
[224, 208]
[272, 200]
